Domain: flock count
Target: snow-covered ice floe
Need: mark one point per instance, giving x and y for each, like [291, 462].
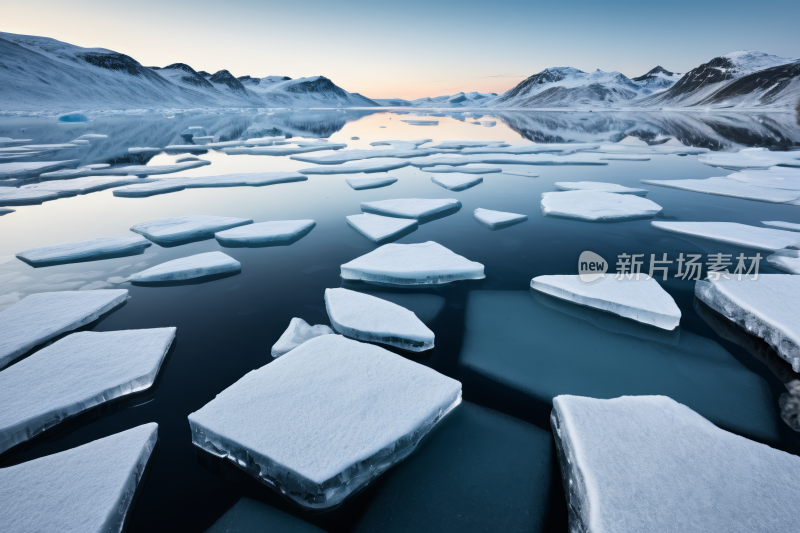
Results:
[130, 170]
[497, 219]
[504, 159]
[346, 156]
[457, 181]
[274, 231]
[597, 206]
[255, 179]
[767, 307]
[93, 248]
[411, 207]
[86, 185]
[458, 145]
[598, 186]
[76, 373]
[786, 261]
[379, 164]
[427, 263]
[177, 229]
[88, 488]
[19, 196]
[565, 148]
[370, 183]
[783, 225]
[772, 178]
[648, 463]
[367, 318]
[731, 187]
[523, 173]
[628, 149]
[642, 300]
[466, 169]
[284, 149]
[30, 170]
[378, 228]
[37, 318]
[733, 233]
[192, 267]
[283, 423]
[751, 158]
[298, 332]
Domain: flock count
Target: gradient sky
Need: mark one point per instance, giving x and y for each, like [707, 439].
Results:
[414, 48]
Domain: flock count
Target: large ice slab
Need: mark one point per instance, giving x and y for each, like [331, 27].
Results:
[411, 207]
[466, 169]
[663, 149]
[457, 181]
[93, 248]
[786, 261]
[598, 186]
[85, 185]
[544, 148]
[255, 179]
[19, 196]
[370, 183]
[298, 332]
[597, 206]
[783, 225]
[766, 307]
[378, 228]
[88, 488]
[458, 145]
[129, 170]
[177, 229]
[648, 463]
[274, 231]
[520, 172]
[733, 233]
[345, 156]
[284, 149]
[192, 267]
[751, 158]
[497, 219]
[367, 318]
[642, 300]
[505, 159]
[76, 373]
[427, 263]
[380, 164]
[33, 169]
[730, 187]
[325, 420]
[40, 317]
[773, 178]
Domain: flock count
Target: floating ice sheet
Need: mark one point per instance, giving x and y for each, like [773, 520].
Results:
[370, 183]
[345, 156]
[501, 159]
[40, 317]
[648, 463]
[88, 488]
[783, 225]
[177, 229]
[192, 267]
[598, 186]
[284, 149]
[378, 228]
[411, 207]
[544, 148]
[76, 251]
[284, 422]
[255, 179]
[786, 261]
[427, 263]
[751, 158]
[298, 332]
[380, 164]
[29, 170]
[627, 149]
[733, 233]
[498, 219]
[367, 318]
[773, 178]
[597, 206]
[457, 181]
[274, 231]
[76, 373]
[130, 170]
[458, 145]
[85, 185]
[730, 187]
[15, 196]
[523, 173]
[466, 169]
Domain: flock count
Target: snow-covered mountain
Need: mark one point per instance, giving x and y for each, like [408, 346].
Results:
[316, 91]
[656, 80]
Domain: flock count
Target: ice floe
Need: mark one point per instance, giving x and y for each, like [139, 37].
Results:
[346, 156]
[378, 228]
[192, 267]
[597, 206]
[274, 231]
[255, 179]
[523, 173]
[283, 422]
[597, 186]
[466, 169]
[751, 158]
[783, 225]
[427, 263]
[367, 318]
[503, 159]
[76, 373]
[648, 463]
[40, 317]
[731, 187]
[19, 196]
[628, 149]
[298, 332]
[497, 219]
[785, 261]
[93, 248]
[370, 183]
[88, 488]
[130, 170]
[458, 145]
[566, 148]
[380, 164]
[185, 158]
[772, 178]
[736, 234]
[766, 307]
[31, 170]
[411, 207]
[85, 185]
[284, 149]
[457, 181]
[176, 229]
[642, 300]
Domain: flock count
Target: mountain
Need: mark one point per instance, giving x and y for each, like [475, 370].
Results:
[316, 91]
[657, 79]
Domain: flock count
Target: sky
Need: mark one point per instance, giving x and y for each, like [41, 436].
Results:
[414, 48]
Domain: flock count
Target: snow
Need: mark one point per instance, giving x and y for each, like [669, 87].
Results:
[130, 170]
[37, 318]
[298, 332]
[274, 231]
[785, 261]
[597, 206]
[176, 229]
[597, 186]
[427, 263]
[457, 181]
[322, 422]
[31, 170]
[379, 164]
[254, 179]
[378, 228]
[523, 173]
[733, 233]
[91, 249]
[751, 158]
[463, 169]
[76, 373]
[192, 267]
[370, 319]
[370, 183]
[14, 196]
[731, 187]
[642, 300]
[766, 307]
[773, 178]
[88, 488]
[497, 219]
[283, 149]
[411, 207]
[648, 463]
[85, 185]
[784, 225]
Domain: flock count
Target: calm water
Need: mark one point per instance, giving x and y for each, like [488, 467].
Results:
[227, 326]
